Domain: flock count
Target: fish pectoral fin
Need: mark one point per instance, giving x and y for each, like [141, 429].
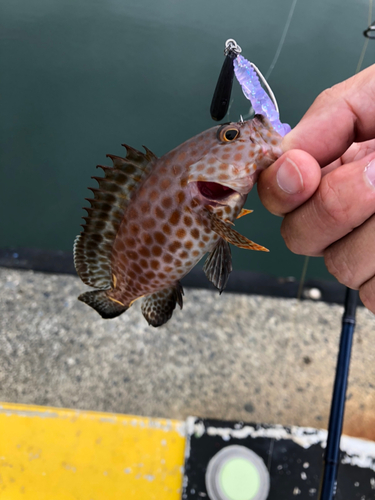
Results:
[106, 306]
[243, 212]
[158, 307]
[218, 265]
[223, 229]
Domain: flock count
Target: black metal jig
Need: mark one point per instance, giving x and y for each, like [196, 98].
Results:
[221, 99]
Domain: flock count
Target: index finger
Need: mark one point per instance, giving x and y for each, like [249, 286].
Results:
[338, 117]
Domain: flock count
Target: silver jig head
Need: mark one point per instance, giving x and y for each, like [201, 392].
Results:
[232, 46]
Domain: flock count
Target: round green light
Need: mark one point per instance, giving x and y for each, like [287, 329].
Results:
[239, 479]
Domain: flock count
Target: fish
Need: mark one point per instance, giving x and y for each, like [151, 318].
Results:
[151, 220]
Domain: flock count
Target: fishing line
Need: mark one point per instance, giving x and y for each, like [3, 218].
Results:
[302, 278]
[364, 49]
[282, 40]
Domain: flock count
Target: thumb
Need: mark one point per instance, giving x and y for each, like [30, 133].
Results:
[289, 182]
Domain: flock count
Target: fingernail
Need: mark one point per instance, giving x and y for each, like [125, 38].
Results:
[370, 173]
[289, 178]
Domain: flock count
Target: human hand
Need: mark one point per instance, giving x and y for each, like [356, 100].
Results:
[324, 184]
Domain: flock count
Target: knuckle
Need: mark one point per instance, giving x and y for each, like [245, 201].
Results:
[339, 267]
[291, 241]
[327, 95]
[335, 209]
[367, 295]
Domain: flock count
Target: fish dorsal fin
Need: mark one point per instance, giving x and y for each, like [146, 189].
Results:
[93, 247]
[158, 307]
[218, 265]
[224, 230]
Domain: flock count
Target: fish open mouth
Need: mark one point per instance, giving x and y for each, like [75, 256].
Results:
[214, 191]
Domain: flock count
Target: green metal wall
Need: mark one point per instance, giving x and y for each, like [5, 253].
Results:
[80, 77]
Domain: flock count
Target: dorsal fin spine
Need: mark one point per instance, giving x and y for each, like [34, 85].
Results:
[93, 247]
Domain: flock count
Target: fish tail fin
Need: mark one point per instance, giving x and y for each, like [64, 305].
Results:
[104, 305]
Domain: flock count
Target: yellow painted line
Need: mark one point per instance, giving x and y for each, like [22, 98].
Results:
[58, 454]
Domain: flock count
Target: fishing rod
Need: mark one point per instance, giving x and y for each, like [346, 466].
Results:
[332, 451]
[328, 483]
[328, 487]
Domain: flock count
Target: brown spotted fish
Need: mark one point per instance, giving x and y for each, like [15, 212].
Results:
[152, 219]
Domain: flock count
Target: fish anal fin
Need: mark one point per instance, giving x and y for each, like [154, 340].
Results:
[158, 307]
[243, 212]
[106, 306]
[218, 265]
[223, 229]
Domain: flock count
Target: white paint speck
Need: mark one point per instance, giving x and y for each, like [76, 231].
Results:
[356, 484]
[127, 470]
[303, 476]
[306, 465]
[149, 477]
[296, 491]
[303, 436]
[199, 429]
[372, 482]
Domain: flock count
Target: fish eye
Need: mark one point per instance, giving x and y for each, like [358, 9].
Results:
[227, 133]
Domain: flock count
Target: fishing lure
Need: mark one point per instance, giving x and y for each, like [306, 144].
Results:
[247, 76]
[251, 79]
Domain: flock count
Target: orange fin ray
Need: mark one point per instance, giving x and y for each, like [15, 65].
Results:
[230, 235]
[106, 306]
[243, 212]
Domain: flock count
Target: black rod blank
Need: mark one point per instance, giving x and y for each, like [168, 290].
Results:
[332, 452]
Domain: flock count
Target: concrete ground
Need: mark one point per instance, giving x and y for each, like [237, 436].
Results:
[231, 356]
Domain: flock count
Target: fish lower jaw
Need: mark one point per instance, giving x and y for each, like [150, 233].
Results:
[214, 193]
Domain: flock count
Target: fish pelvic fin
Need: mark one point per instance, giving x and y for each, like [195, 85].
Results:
[243, 212]
[218, 265]
[158, 307]
[224, 230]
[99, 300]
[93, 247]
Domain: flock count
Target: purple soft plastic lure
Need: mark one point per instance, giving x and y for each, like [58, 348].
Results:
[260, 100]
